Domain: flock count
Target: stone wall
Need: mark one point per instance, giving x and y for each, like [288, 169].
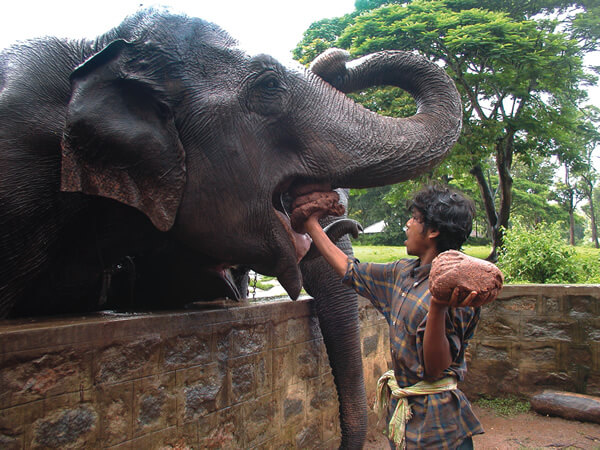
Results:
[230, 376]
[255, 375]
[537, 337]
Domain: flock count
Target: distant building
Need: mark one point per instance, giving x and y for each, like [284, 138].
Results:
[377, 227]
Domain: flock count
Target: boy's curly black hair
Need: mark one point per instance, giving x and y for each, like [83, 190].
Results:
[447, 211]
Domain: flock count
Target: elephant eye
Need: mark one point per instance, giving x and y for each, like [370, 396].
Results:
[266, 93]
[268, 81]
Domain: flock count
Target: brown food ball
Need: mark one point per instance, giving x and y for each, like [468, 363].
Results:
[453, 269]
[324, 203]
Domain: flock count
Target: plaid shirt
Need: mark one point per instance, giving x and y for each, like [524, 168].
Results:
[400, 291]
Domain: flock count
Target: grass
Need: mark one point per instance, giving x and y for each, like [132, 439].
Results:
[504, 406]
[384, 254]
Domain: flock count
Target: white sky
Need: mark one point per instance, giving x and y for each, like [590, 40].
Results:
[262, 26]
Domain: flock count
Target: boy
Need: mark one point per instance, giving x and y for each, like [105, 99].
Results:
[428, 337]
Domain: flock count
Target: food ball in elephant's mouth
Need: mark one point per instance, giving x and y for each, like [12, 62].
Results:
[323, 203]
[304, 199]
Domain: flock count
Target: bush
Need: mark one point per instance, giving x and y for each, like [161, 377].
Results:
[537, 255]
[588, 261]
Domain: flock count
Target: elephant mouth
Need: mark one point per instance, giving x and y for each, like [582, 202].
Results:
[282, 204]
[289, 274]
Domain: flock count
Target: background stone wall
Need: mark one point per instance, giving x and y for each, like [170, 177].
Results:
[537, 337]
[239, 376]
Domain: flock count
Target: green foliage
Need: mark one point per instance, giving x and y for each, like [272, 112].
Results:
[504, 406]
[537, 254]
[587, 260]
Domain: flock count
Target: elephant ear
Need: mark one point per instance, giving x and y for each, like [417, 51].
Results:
[120, 139]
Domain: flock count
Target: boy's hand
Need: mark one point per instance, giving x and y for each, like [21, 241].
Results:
[460, 280]
[458, 299]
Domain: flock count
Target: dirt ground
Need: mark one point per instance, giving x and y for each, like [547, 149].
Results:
[523, 431]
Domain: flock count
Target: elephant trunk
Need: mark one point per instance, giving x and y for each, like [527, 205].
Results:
[337, 310]
[372, 150]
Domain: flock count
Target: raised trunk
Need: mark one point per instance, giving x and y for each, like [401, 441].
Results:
[372, 150]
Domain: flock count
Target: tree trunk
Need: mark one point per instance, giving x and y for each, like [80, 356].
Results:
[589, 193]
[490, 208]
[593, 225]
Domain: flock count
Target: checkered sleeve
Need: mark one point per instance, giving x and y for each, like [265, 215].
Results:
[376, 282]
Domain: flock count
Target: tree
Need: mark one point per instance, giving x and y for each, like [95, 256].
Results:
[514, 74]
[589, 138]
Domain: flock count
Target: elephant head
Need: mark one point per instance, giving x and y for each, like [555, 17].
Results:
[174, 120]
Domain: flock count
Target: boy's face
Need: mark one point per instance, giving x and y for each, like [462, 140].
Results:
[418, 238]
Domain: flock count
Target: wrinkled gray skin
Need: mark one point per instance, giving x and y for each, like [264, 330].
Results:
[141, 168]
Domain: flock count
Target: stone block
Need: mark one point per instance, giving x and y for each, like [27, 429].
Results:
[71, 427]
[228, 432]
[331, 425]
[261, 419]
[154, 403]
[264, 373]
[367, 314]
[577, 356]
[593, 385]
[44, 373]
[284, 372]
[293, 404]
[242, 373]
[308, 361]
[250, 339]
[201, 390]
[222, 342]
[127, 360]
[9, 442]
[190, 432]
[551, 305]
[581, 306]
[521, 304]
[532, 379]
[188, 350]
[490, 350]
[115, 409]
[540, 354]
[490, 377]
[17, 420]
[497, 326]
[321, 395]
[370, 343]
[169, 438]
[292, 331]
[590, 330]
[554, 330]
[310, 436]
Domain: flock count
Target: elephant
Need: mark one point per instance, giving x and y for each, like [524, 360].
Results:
[151, 167]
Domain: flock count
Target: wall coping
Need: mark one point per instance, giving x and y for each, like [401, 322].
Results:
[34, 333]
